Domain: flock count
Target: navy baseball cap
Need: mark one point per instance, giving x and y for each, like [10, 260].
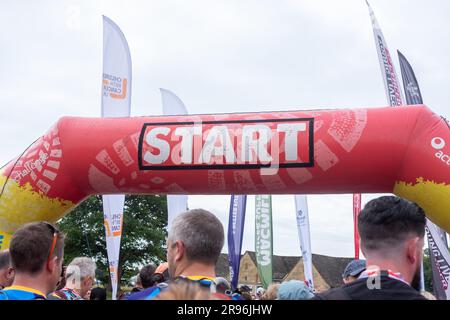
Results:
[354, 268]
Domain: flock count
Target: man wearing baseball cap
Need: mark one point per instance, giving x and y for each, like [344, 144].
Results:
[353, 270]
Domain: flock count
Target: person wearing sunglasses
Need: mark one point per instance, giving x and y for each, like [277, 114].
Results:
[37, 251]
[194, 243]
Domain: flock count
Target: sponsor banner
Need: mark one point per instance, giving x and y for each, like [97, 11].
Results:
[410, 84]
[301, 206]
[172, 105]
[263, 238]
[113, 221]
[116, 102]
[389, 75]
[176, 204]
[440, 262]
[116, 81]
[227, 144]
[356, 211]
[236, 222]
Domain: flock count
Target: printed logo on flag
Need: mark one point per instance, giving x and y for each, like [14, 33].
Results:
[442, 265]
[114, 229]
[114, 86]
[413, 90]
[1, 241]
[391, 79]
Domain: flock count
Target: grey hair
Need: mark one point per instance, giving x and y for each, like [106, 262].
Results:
[82, 267]
[202, 234]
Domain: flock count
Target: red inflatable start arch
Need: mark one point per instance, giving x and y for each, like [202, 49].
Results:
[405, 151]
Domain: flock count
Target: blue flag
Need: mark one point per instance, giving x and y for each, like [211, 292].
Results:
[235, 233]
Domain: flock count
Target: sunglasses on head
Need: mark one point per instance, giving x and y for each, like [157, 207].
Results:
[55, 233]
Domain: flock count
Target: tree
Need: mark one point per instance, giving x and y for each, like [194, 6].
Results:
[427, 273]
[143, 237]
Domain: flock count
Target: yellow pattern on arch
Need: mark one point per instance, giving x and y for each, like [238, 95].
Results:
[433, 197]
[21, 204]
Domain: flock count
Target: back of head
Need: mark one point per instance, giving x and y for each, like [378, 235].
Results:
[271, 292]
[386, 222]
[354, 268]
[5, 259]
[222, 285]
[81, 267]
[31, 245]
[146, 275]
[184, 290]
[294, 290]
[202, 234]
[98, 294]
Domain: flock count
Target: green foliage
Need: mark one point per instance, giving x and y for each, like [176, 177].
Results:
[143, 237]
[427, 273]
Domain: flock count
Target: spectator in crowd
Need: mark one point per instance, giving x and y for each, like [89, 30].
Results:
[37, 251]
[353, 270]
[246, 292]
[6, 270]
[146, 276]
[259, 293]
[271, 292]
[294, 290]
[161, 273]
[62, 279]
[193, 247]
[392, 238]
[222, 286]
[98, 294]
[138, 284]
[80, 277]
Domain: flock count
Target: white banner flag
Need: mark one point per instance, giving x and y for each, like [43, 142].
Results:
[116, 102]
[172, 105]
[440, 258]
[389, 75]
[301, 208]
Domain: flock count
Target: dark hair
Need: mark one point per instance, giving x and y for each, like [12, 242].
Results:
[202, 234]
[146, 275]
[387, 221]
[158, 278]
[31, 244]
[98, 294]
[5, 259]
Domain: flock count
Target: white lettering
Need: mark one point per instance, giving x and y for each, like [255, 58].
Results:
[162, 145]
[258, 145]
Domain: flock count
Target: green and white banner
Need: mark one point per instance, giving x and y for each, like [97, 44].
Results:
[263, 238]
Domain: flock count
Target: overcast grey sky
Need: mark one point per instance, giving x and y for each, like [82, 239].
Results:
[220, 56]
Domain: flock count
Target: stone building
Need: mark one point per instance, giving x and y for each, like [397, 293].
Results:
[327, 270]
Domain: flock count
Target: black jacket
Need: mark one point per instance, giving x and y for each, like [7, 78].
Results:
[390, 289]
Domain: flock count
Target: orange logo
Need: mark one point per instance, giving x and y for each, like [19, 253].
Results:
[115, 87]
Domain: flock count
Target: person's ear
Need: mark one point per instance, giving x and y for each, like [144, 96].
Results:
[52, 264]
[86, 281]
[413, 250]
[179, 250]
[11, 273]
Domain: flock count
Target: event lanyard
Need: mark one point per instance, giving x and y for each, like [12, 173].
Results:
[376, 273]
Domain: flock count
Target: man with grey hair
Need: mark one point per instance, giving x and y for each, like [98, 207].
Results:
[80, 277]
[194, 244]
[6, 270]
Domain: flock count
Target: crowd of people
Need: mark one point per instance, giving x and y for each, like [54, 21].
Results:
[392, 239]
